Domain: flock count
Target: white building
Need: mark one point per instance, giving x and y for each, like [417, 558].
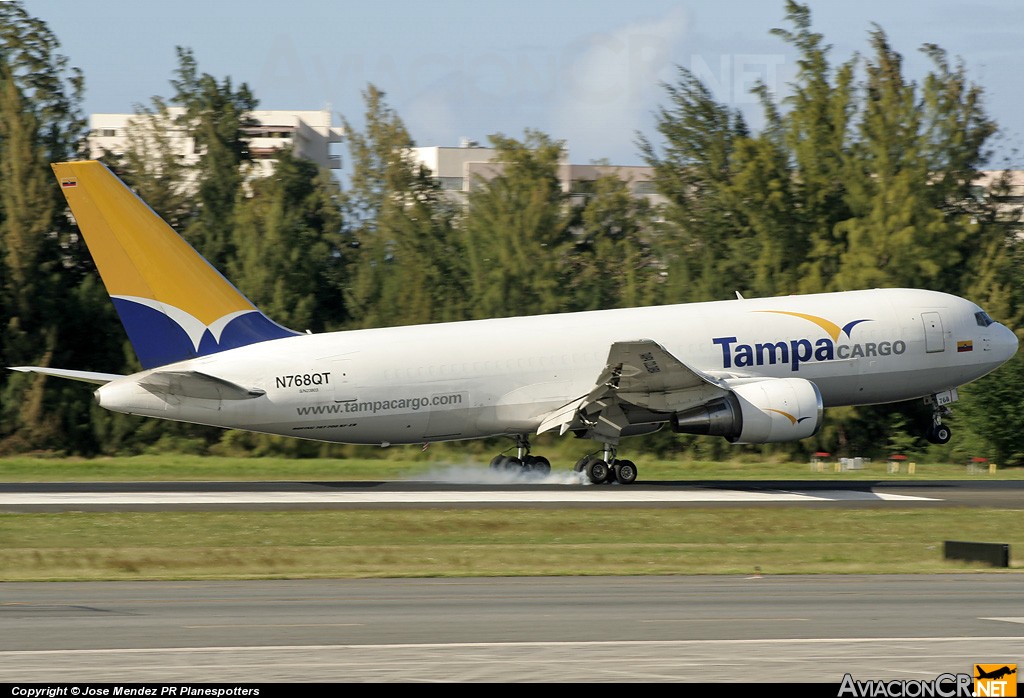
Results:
[1011, 200]
[456, 168]
[310, 135]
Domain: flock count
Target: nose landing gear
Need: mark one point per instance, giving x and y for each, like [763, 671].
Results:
[939, 433]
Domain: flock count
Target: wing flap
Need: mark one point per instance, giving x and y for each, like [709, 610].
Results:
[562, 417]
[640, 374]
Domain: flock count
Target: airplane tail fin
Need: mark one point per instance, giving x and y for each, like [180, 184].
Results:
[173, 304]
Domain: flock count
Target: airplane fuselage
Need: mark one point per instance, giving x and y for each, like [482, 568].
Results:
[473, 379]
[751, 371]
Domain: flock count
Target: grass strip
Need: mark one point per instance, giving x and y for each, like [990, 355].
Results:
[493, 542]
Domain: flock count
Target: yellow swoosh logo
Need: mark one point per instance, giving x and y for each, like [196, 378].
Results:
[787, 415]
[830, 328]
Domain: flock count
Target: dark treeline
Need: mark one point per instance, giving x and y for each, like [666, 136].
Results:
[861, 178]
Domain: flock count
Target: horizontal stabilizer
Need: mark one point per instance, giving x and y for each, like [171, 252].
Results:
[84, 376]
[196, 385]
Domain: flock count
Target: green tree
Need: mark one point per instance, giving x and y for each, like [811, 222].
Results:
[404, 253]
[426, 264]
[897, 235]
[381, 172]
[406, 257]
[815, 129]
[693, 170]
[216, 116]
[771, 242]
[287, 237]
[41, 263]
[28, 210]
[517, 231]
[957, 139]
[613, 263]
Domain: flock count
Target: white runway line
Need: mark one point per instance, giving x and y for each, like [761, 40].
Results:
[767, 660]
[617, 495]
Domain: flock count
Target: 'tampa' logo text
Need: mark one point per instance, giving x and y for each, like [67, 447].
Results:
[797, 351]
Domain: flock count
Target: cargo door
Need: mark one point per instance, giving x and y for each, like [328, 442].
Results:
[934, 338]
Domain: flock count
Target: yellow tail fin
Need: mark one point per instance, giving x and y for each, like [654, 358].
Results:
[172, 302]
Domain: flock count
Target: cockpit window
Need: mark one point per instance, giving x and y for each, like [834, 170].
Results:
[982, 318]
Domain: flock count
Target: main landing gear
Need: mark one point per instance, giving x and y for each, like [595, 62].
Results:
[522, 461]
[600, 470]
[607, 469]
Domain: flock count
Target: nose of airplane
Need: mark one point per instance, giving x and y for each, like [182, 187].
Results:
[1005, 343]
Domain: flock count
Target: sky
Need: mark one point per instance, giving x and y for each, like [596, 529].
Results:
[588, 72]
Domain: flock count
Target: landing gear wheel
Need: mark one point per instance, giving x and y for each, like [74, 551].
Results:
[581, 464]
[597, 471]
[503, 463]
[940, 434]
[625, 472]
[537, 464]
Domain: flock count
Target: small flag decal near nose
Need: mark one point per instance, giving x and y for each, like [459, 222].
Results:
[967, 345]
[69, 183]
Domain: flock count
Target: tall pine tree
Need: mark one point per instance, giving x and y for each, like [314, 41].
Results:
[517, 231]
[216, 116]
[287, 237]
[43, 303]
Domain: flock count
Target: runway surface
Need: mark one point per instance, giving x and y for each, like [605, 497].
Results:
[448, 493]
[593, 629]
[580, 629]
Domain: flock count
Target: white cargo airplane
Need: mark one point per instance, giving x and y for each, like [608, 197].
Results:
[752, 371]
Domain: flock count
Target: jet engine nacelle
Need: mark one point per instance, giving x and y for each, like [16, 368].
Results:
[775, 409]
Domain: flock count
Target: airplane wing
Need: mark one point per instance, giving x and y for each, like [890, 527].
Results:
[84, 376]
[641, 383]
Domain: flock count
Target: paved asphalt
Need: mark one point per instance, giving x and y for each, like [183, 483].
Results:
[143, 496]
[583, 629]
[592, 629]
